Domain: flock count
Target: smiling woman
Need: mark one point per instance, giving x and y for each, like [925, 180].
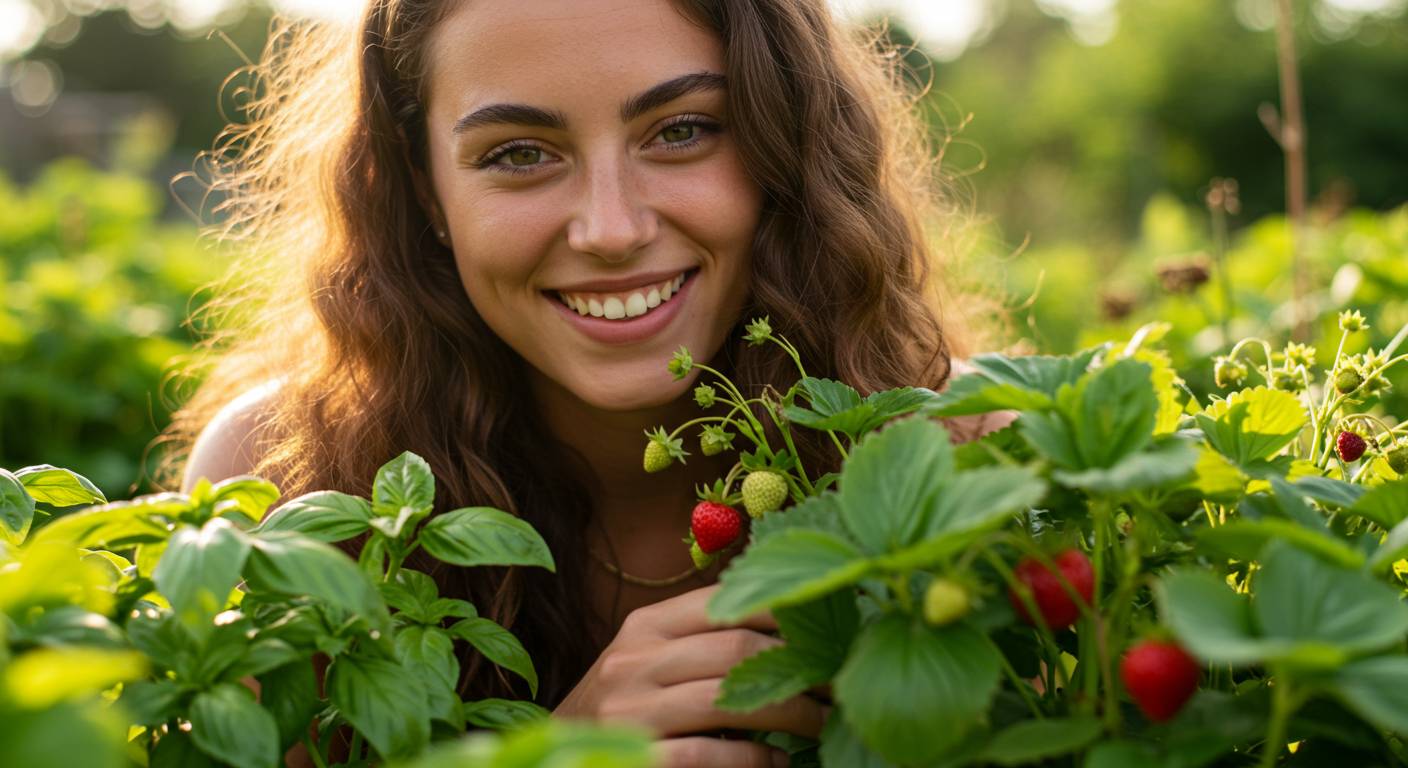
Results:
[479, 230]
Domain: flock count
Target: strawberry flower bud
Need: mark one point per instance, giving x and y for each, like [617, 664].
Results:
[1300, 354]
[759, 331]
[681, 364]
[1397, 457]
[705, 395]
[1227, 373]
[1352, 321]
[1288, 381]
[714, 440]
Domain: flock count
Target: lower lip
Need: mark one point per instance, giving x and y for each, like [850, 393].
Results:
[627, 330]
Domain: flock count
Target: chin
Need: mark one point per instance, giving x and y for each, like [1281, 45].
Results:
[619, 394]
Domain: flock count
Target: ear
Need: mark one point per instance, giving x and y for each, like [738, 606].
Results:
[425, 196]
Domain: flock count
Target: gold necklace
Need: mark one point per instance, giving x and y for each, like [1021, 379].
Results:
[640, 580]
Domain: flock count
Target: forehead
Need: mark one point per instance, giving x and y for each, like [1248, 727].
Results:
[541, 50]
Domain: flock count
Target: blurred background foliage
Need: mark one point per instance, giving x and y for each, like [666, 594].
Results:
[1082, 136]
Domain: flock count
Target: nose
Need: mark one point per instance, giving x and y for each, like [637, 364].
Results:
[613, 220]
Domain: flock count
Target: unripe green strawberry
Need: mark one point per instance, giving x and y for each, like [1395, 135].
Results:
[1398, 459]
[662, 450]
[945, 602]
[701, 558]
[714, 440]
[763, 492]
[1347, 381]
[657, 457]
[1287, 381]
[1227, 372]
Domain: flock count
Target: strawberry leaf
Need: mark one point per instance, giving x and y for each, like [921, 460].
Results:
[769, 677]
[1036, 373]
[1252, 424]
[1166, 462]
[787, 568]
[890, 480]
[975, 393]
[949, 675]
[1386, 505]
[839, 408]
[1376, 689]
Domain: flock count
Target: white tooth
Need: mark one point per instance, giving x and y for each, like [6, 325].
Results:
[613, 308]
[580, 305]
[678, 282]
[635, 305]
[594, 307]
[652, 299]
[667, 291]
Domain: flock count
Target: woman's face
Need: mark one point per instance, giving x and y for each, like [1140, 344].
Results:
[599, 214]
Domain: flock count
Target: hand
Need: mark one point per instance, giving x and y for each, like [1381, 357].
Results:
[663, 672]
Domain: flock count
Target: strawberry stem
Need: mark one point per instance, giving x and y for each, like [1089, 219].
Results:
[1284, 703]
[1266, 350]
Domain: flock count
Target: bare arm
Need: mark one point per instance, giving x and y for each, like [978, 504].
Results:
[228, 446]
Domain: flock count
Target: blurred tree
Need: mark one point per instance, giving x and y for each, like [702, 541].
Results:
[115, 70]
[1078, 137]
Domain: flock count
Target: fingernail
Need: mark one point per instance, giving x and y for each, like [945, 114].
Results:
[780, 759]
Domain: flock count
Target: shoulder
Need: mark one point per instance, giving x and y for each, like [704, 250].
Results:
[966, 428]
[230, 444]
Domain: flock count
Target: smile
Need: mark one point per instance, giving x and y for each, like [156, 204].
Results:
[624, 304]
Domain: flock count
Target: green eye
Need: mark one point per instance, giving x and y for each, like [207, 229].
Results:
[524, 156]
[678, 133]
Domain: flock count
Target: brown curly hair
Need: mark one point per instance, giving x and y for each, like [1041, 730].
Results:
[344, 297]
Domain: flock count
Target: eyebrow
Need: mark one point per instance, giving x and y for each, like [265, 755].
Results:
[657, 95]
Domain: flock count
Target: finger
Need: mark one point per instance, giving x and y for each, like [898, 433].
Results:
[687, 614]
[706, 655]
[704, 752]
[689, 708]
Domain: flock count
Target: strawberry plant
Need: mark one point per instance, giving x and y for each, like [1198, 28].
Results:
[131, 631]
[984, 603]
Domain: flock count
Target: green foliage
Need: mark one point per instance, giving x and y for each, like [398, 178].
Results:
[1230, 527]
[199, 596]
[94, 289]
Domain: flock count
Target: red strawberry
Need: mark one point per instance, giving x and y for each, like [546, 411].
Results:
[715, 525]
[1160, 676]
[1056, 606]
[1350, 446]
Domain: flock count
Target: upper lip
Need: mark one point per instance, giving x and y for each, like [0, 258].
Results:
[643, 280]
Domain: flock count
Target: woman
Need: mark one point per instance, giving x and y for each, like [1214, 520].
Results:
[457, 209]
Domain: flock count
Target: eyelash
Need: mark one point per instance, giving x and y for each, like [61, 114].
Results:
[490, 161]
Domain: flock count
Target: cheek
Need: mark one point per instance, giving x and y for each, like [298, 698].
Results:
[718, 209]
[499, 242]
